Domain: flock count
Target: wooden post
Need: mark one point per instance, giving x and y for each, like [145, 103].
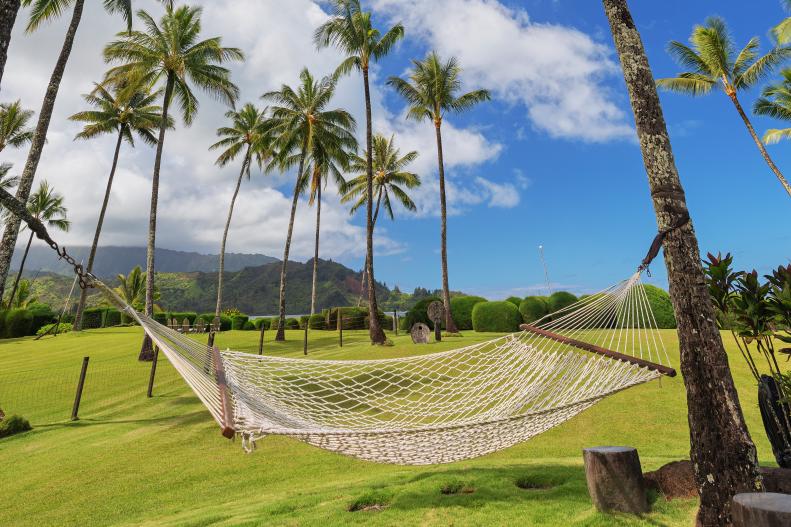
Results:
[395, 322]
[305, 341]
[210, 340]
[340, 327]
[761, 509]
[150, 392]
[80, 385]
[615, 479]
[261, 340]
[438, 331]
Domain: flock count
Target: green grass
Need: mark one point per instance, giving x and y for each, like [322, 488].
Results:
[131, 460]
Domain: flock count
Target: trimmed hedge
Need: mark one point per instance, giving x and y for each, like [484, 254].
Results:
[248, 326]
[318, 321]
[461, 308]
[238, 321]
[419, 313]
[560, 300]
[112, 317]
[42, 315]
[515, 300]
[162, 318]
[292, 323]
[266, 322]
[533, 308]
[189, 315]
[18, 323]
[92, 317]
[353, 317]
[660, 303]
[225, 321]
[500, 317]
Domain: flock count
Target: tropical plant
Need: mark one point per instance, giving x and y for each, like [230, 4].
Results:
[714, 414]
[170, 52]
[713, 62]
[132, 287]
[22, 296]
[351, 30]
[431, 92]
[247, 135]
[45, 205]
[782, 31]
[14, 129]
[300, 122]
[7, 181]
[390, 179]
[126, 113]
[775, 101]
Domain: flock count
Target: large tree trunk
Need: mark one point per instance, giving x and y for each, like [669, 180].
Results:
[450, 326]
[722, 451]
[364, 277]
[95, 244]
[225, 233]
[37, 144]
[147, 350]
[375, 330]
[759, 143]
[8, 11]
[281, 328]
[19, 273]
[316, 251]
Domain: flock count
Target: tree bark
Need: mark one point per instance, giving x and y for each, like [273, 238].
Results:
[450, 326]
[375, 329]
[615, 479]
[37, 144]
[759, 143]
[316, 252]
[722, 451]
[225, 233]
[97, 234]
[364, 277]
[8, 12]
[147, 350]
[19, 273]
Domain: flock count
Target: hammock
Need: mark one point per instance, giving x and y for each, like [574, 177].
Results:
[431, 408]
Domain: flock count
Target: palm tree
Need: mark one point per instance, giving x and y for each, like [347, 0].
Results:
[713, 62]
[431, 92]
[7, 182]
[170, 52]
[247, 134]
[14, 130]
[351, 31]
[23, 296]
[782, 31]
[390, 178]
[43, 11]
[300, 120]
[125, 114]
[715, 417]
[132, 288]
[45, 205]
[775, 101]
[8, 12]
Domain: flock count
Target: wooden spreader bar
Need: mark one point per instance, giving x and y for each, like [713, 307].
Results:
[225, 397]
[664, 370]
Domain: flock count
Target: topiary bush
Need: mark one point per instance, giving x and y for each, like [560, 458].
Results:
[560, 300]
[112, 317]
[189, 315]
[461, 308]
[292, 323]
[248, 326]
[42, 315]
[92, 317]
[500, 317]
[18, 323]
[303, 321]
[318, 321]
[419, 313]
[533, 308]
[662, 307]
[515, 300]
[14, 424]
[238, 321]
[159, 316]
[266, 322]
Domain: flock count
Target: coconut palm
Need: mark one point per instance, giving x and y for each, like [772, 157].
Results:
[431, 92]
[43, 11]
[124, 113]
[350, 30]
[390, 179]
[7, 181]
[132, 287]
[775, 101]
[8, 12]
[45, 205]
[23, 296]
[171, 52]
[782, 31]
[14, 130]
[247, 135]
[300, 122]
[713, 62]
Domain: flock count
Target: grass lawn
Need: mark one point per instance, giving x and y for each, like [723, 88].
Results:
[131, 460]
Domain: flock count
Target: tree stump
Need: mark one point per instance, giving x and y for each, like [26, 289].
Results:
[615, 479]
[761, 509]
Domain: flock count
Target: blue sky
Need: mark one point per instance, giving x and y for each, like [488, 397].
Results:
[551, 160]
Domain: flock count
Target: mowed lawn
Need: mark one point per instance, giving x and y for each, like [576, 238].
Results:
[131, 460]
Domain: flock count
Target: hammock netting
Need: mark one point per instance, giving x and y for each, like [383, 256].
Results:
[430, 408]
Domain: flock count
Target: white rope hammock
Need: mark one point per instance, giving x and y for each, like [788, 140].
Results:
[434, 408]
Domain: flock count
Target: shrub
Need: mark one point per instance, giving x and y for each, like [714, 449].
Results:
[19, 323]
[560, 300]
[419, 313]
[515, 300]
[14, 424]
[660, 303]
[461, 308]
[160, 317]
[238, 321]
[42, 315]
[266, 322]
[248, 326]
[303, 321]
[292, 323]
[533, 308]
[189, 315]
[3, 314]
[498, 317]
[64, 327]
[353, 317]
[92, 317]
[318, 321]
[112, 317]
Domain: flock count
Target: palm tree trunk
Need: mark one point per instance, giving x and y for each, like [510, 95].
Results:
[281, 328]
[759, 143]
[315, 260]
[147, 350]
[19, 273]
[8, 12]
[722, 451]
[364, 278]
[450, 326]
[95, 244]
[225, 233]
[37, 144]
[375, 329]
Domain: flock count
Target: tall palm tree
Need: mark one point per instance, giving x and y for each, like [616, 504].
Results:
[45, 205]
[124, 113]
[132, 287]
[390, 179]
[7, 182]
[14, 130]
[431, 92]
[715, 417]
[775, 101]
[300, 120]
[43, 11]
[713, 62]
[350, 30]
[782, 31]
[171, 52]
[247, 135]
[8, 12]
